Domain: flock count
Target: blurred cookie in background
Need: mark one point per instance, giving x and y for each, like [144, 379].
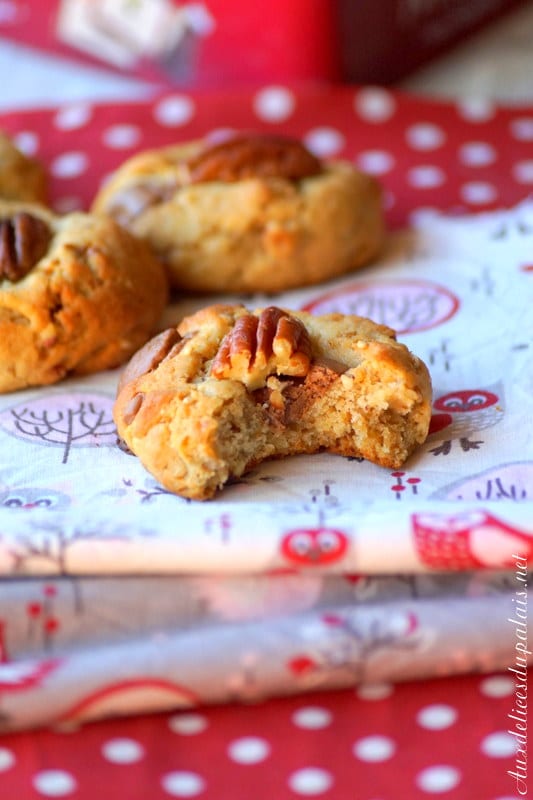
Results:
[251, 213]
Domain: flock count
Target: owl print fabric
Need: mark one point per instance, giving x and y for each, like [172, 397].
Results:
[72, 650]
[310, 572]
[459, 292]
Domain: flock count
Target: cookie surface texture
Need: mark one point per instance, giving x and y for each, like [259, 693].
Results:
[77, 294]
[21, 177]
[251, 214]
[206, 401]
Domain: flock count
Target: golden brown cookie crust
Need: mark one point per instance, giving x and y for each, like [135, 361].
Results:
[21, 177]
[255, 234]
[198, 407]
[93, 297]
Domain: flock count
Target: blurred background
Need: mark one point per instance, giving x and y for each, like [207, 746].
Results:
[119, 49]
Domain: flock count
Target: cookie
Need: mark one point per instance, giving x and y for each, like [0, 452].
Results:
[250, 214]
[77, 294]
[206, 401]
[21, 177]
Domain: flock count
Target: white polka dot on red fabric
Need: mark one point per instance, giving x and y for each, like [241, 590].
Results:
[375, 104]
[522, 129]
[477, 154]
[69, 165]
[122, 751]
[478, 192]
[497, 686]
[174, 111]
[374, 691]
[248, 750]
[27, 142]
[7, 759]
[499, 745]
[73, 116]
[310, 781]
[312, 717]
[187, 724]
[324, 142]
[120, 137]
[426, 177]
[425, 136]
[423, 214]
[54, 783]
[375, 162]
[523, 171]
[274, 103]
[438, 779]
[374, 748]
[436, 717]
[183, 784]
[476, 109]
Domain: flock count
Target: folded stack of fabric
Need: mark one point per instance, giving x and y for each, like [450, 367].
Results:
[314, 571]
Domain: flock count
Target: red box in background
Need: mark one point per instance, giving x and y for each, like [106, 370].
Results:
[200, 43]
[213, 43]
[383, 41]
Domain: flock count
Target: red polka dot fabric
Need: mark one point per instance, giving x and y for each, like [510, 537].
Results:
[441, 738]
[428, 155]
[444, 738]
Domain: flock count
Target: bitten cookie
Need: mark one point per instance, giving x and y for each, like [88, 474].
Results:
[250, 214]
[21, 177]
[227, 388]
[77, 294]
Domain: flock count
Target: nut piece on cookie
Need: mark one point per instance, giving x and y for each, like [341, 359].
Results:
[78, 294]
[21, 177]
[272, 343]
[252, 213]
[228, 388]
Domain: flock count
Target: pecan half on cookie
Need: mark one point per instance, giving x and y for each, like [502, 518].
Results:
[24, 239]
[251, 157]
[255, 212]
[258, 346]
[229, 388]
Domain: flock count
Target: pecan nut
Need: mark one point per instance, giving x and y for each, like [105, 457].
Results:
[150, 356]
[24, 240]
[273, 343]
[253, 157]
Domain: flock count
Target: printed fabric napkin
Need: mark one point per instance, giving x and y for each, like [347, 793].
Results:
[310, 572]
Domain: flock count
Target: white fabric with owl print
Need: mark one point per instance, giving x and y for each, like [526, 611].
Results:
[311, 572]
[459, 292]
